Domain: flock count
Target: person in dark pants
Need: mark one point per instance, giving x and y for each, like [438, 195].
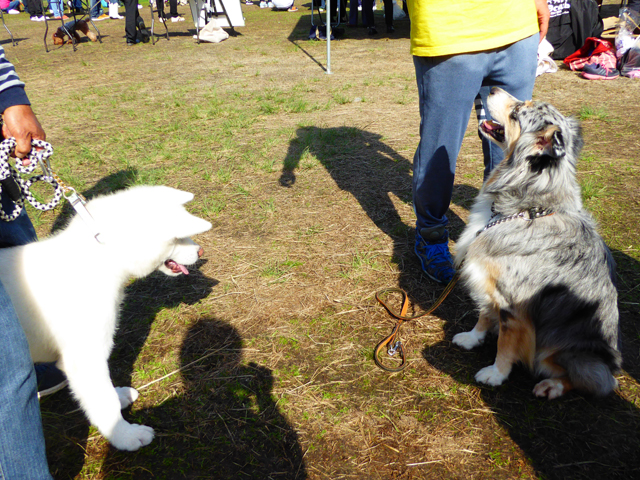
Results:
[368, 18]
[34, 7]
[133, 22]
[173, 11]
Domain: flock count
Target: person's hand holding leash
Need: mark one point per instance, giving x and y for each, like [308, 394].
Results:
[21, 123]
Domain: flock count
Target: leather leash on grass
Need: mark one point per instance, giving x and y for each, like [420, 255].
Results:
[388, 342]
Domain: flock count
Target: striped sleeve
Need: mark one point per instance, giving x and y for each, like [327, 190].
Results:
[11, 87]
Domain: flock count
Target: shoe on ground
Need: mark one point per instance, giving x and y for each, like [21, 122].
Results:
[37, 19]
[293, 9]
[432, 249]
[595, 71]
[50, 379]
[248, 2]
[132, 43]
[390, 29]
[104, 16]
[13, 11]
[177, 19]
[63, 17]
[372, 31]
[263, 4]
[270, 4]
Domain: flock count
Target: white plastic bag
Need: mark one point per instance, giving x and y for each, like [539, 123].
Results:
[398, 14]
[212, 33]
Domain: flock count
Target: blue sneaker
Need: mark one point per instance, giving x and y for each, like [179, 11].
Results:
[432, 248]
[50, 379]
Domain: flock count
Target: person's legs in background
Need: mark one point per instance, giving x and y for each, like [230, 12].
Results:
[96, 12]
[113, 10]
[367, 16]
[35, 10]
[388, 15]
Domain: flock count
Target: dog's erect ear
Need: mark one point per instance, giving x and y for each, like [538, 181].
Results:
[186, 225]
[549, 148]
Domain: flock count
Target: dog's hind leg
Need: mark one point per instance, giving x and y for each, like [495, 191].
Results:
[475, 337]
[90, 383]
[516, 342]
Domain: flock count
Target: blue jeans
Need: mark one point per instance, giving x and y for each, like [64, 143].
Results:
[18, 232]
[56, 7]
[22, 450]
[14, 5]
[96, 8]
[447, 87]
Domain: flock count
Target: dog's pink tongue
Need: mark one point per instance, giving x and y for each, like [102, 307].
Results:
[176, 267]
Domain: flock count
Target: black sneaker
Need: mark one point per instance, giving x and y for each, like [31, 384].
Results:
[50, 379]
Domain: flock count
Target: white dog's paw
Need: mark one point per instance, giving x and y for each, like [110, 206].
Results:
[131, 437]
[491, 376]
[127, 396]
[550, 388]
[467, 340]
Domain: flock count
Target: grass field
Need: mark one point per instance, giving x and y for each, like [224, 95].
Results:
[265, 351]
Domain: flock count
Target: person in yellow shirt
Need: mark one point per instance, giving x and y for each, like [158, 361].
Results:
[461, 49]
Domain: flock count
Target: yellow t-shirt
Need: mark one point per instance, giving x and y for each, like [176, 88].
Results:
[448, 27]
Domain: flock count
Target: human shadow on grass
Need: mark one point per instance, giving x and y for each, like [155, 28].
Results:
[575, 436]
[221, 422]
[363, 165]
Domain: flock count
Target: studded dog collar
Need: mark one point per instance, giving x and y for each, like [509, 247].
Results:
[529, 215]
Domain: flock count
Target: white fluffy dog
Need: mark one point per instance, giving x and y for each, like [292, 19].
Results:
[67, 291]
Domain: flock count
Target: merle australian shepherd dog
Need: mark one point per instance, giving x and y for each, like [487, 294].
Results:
[533, 261]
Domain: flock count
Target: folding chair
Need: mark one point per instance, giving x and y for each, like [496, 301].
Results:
[153, 21]
[13, 42]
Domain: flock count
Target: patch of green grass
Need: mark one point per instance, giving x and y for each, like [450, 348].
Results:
[587, 112]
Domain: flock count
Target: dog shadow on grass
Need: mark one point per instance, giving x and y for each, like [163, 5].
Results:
[221, 420]
[571, 437]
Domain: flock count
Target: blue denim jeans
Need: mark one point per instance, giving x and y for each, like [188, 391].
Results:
[447, 87]
[56, 7]
[18, 232]
[22, 450]
[96, 8]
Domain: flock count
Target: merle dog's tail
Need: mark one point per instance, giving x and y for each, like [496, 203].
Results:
[588, 372]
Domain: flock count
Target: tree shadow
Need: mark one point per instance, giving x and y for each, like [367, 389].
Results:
[223, 424]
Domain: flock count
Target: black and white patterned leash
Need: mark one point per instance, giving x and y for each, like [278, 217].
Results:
[17, 188]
